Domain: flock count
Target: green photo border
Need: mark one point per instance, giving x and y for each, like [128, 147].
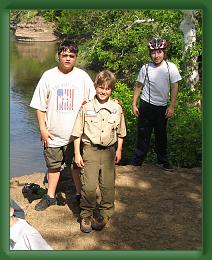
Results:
[5, 7]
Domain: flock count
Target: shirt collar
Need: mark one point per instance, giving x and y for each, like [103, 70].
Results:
[107, 105]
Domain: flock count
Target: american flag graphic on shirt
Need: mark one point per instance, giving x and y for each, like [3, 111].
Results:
[65, 99]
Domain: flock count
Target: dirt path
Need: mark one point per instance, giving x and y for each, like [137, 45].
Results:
[154, 209]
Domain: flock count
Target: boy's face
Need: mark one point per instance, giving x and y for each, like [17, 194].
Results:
[157, 56]
[103, 93]
[67, 61]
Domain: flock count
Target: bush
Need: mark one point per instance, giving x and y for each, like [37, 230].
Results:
[184, 129]
[124, 94]
[117, 40]
[185, 133]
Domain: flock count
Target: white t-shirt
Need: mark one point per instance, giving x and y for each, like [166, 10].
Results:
[24, 237]
[156, 81]
[61, 96]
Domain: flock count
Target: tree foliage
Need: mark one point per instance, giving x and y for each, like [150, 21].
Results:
[117, 40]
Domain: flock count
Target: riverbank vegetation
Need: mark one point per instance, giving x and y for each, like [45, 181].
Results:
[117, 40]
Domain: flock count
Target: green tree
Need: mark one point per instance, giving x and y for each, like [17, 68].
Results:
[117, 40]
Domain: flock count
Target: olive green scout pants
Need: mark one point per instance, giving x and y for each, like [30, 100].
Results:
[99, 170]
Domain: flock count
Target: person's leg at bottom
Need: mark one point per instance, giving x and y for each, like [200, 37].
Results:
[160, 131]
[74, 171]
[89, 181]
[144, 131]
[54, 158]
[107, 188]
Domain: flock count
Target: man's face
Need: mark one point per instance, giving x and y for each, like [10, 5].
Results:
[157, 56]
[67, 60]
[103, 93]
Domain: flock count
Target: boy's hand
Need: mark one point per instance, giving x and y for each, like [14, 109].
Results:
[118, 156]
[45, 136]
[79, 161]
[169, 112]
[135, 111]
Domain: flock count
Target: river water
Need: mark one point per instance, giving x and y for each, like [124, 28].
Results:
[27, 63]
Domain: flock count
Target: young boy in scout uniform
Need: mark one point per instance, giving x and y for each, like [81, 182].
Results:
[100, 125]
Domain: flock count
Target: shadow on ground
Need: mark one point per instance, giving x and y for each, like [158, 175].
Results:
[154, 210]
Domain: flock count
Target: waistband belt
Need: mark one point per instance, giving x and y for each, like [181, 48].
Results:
[101, 147]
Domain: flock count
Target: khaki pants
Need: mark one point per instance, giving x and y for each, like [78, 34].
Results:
[99, 170]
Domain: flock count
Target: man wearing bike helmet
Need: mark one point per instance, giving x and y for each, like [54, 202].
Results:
[155, 81]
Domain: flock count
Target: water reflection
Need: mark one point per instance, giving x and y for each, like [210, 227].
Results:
[27, 63]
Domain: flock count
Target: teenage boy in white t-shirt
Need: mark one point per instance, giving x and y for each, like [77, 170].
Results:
[57, 99]
[154, 82]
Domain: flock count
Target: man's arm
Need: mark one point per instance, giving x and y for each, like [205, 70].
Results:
[171, 107]
[137, 91]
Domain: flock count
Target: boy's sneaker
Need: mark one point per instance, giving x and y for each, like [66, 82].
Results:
[45, 202]
[167, 166]
[85, 225]
[98, 223]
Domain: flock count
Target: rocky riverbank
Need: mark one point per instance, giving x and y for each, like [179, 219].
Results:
[35, 29]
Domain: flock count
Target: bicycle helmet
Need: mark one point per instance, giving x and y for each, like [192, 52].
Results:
[157, 43]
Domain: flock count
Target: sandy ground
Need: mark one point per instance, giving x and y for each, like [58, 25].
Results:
[154, 209]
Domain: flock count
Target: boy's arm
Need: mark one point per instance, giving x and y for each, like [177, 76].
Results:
[77, 156]
[171, 107]
[45, 135]
[119, 150]
[137, 91]
[77, 133]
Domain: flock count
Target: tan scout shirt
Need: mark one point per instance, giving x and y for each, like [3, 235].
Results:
[100, 123]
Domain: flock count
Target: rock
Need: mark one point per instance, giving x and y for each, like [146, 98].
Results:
[36, 29]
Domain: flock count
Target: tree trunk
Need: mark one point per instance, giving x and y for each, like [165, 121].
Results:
[187, 26]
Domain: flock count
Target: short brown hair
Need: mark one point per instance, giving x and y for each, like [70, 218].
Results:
[105, 76]
[67, 44]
